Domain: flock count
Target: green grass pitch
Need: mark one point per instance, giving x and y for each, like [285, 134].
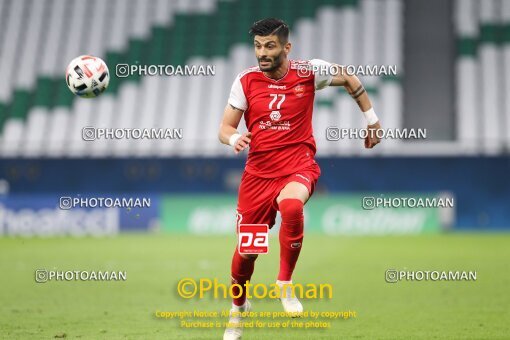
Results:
[355, 266]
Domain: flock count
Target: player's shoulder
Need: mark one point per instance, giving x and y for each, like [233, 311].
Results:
[298, 63]
[249, 71]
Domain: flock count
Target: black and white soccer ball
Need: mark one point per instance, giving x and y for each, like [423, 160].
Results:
[87, 76]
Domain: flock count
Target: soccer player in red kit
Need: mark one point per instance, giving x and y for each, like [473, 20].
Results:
[276, 99]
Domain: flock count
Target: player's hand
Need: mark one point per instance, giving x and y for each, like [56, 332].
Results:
[372, 140]
[242, 142]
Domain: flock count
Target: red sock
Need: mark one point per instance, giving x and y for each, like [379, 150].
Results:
[242, 269]
[291, 236]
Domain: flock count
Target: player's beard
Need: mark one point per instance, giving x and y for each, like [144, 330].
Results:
[276, 62]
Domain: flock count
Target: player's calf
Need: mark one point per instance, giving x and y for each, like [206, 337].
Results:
[241, 270]
[291, 236]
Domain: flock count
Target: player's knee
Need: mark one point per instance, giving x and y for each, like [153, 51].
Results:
[291, 208]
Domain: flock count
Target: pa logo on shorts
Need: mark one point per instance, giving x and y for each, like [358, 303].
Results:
[253, 238]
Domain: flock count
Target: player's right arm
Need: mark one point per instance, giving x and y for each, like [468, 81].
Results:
[237, 104]
[228, 129]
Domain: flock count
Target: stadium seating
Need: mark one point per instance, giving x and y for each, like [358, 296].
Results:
[40, 117]
[482, 74]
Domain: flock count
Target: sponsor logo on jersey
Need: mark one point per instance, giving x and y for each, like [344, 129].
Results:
[278, 87]
[299, 90]
[268, 125]
[275, 116]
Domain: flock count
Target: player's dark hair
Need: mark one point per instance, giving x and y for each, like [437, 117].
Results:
[271, 26]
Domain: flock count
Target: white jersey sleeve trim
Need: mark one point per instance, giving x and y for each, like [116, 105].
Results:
[237, 97]
[322, 73]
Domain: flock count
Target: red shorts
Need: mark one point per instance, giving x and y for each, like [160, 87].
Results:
[257, 195]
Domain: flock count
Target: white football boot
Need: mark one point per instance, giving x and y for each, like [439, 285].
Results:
[234, 330]
[290, 303]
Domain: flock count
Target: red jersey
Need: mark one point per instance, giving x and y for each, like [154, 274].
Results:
[278, 113]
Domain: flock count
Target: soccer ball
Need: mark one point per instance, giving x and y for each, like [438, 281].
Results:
[87, 76]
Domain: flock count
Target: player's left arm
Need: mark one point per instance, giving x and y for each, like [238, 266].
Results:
[355, 88]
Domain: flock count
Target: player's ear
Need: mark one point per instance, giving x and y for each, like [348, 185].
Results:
[287, 47]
